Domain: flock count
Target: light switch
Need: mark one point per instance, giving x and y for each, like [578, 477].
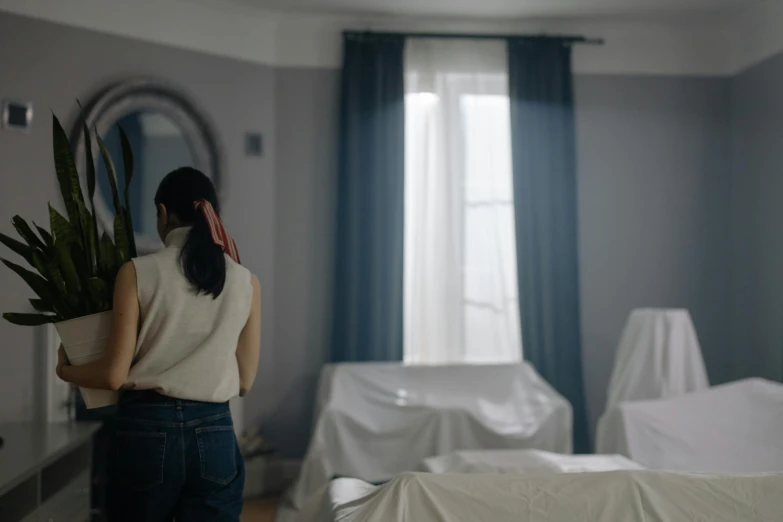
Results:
[253, 144]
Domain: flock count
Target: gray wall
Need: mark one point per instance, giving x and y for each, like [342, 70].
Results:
[757, 221]
[307, 101]
[653, 156]
[52, 66]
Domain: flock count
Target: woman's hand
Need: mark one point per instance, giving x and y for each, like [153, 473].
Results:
[62, 360]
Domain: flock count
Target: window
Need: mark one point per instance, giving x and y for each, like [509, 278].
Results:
[460, 284]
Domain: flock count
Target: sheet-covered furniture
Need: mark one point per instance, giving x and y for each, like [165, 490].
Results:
[658, 357]
[377, 420]
[733, 428]
[524, 462]
[627, 496]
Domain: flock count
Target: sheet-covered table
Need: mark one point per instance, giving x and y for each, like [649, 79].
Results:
[658, 357]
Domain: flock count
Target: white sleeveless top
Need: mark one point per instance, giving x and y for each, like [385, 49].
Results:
[187, 342]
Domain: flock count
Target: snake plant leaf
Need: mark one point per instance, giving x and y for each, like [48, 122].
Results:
[18, 247]
[42, 306]
[30, 319]
[90, 167]
[37, 283]
[121, 233]
[112, 173]
[68, 177]
[79, 257]
[62, 229]
[127, 160]
[50, 271]
[90, 174]
[101, 293]
[60, 302]
[109, 262]
[90, 243]
[130, 234]
[121, 239]
[64, 303]
[67, 267]
[47, 237]
[24, 230]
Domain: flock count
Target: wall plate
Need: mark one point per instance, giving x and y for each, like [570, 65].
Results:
[17, 115]
[254, 145]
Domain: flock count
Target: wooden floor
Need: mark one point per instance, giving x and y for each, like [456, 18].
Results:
[260, 510]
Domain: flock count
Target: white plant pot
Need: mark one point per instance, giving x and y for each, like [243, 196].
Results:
[53, 396]
[85, 339]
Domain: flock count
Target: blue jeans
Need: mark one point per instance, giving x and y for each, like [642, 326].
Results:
[173, 459]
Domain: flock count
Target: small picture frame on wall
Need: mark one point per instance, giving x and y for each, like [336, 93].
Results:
[17, 115]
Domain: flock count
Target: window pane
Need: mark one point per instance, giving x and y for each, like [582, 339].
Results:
[460, 284]
[490, 282]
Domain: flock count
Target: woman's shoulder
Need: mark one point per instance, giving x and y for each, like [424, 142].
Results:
[240, 273]
[153, 257]
[155, 261]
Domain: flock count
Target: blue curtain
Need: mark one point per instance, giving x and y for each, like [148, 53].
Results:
[367, 324]
[544, 166]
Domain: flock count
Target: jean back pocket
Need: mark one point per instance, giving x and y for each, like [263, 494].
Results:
[138, 458]
[217, 452]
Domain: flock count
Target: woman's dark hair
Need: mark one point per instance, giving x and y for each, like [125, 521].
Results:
[203, 262]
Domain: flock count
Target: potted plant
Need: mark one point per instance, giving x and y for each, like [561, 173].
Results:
[74, 264]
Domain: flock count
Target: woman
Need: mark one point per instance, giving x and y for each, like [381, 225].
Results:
[185, 340]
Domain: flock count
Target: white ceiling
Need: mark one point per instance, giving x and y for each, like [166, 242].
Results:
[506, 8]
[689, 43]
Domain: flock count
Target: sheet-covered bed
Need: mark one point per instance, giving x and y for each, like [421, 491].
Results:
[733, 428]
[377, 420]
[524, 462]
[627, 496]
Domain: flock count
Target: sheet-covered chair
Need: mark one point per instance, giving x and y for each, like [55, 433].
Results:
[733, 428]
[377, 420]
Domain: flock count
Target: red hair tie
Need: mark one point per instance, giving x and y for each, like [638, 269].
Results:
[219, 234]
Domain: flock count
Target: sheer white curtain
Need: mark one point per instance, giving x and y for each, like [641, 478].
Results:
[460, 284]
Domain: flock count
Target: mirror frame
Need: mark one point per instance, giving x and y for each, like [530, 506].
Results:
[146, 95]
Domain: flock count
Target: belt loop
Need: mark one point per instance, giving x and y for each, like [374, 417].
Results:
[179, 404]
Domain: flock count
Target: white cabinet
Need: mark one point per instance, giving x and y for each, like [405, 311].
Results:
[45, 472]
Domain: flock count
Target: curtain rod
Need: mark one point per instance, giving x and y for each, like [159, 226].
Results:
[483, 36]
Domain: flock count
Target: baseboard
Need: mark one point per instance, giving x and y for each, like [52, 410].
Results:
[269, 476]
[289, 470]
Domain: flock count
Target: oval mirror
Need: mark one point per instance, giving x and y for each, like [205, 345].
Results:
[165, 131]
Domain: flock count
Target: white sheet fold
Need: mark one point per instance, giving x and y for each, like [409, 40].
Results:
[377, 420]
[627, 496]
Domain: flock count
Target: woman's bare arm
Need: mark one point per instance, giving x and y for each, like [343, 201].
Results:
[249, 346]
[111, 371]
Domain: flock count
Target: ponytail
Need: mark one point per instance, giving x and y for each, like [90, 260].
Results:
[203, 260]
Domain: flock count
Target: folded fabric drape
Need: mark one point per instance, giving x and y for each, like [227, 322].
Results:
[544, 172]
[367, 320]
